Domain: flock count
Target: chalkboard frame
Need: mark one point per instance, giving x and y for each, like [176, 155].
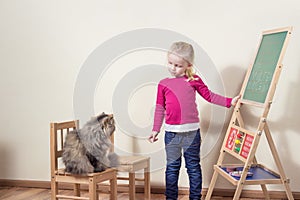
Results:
[272, 85]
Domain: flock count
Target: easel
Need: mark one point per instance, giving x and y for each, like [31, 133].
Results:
[257, 91]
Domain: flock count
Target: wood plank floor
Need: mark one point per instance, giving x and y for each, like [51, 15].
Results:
[22, 193]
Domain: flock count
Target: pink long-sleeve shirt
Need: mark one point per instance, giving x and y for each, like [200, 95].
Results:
[176, 101]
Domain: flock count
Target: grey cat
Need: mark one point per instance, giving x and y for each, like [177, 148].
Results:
[87, 150]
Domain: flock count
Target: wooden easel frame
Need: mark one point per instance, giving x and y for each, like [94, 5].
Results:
[248, 140]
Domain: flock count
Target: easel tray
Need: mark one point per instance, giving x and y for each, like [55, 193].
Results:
[257, 174]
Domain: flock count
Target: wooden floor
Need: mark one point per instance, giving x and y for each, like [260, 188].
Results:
[20, 193]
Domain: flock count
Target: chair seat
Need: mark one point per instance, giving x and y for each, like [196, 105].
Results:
[62, 171]
[131, 160]
[132, 163]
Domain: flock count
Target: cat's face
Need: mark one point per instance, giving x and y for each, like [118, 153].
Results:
[107, 123]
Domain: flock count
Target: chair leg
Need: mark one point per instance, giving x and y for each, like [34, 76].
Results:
[92, 189]
[54, 189]
[77, 189]
[147, 189]
[131, 186]
[113, 188]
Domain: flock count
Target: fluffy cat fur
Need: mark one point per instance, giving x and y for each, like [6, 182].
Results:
[87, 150]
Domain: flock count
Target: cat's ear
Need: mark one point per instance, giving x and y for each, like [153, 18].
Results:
[108, 121]
[111, 120]
[101, 117]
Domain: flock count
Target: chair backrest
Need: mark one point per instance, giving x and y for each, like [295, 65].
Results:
[58, 132]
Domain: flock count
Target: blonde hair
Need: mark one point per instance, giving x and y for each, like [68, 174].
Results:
[185, 51]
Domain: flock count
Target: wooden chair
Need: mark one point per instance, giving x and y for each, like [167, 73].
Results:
[131, 165]
[57, 136]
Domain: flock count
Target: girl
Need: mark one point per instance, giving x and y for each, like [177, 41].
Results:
[176, 102]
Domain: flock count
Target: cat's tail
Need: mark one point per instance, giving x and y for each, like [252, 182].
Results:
[113, 162]
[114, 159]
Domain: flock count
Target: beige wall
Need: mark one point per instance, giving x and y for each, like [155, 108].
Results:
[44, 45]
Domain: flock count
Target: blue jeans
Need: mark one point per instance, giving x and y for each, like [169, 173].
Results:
[189, 144]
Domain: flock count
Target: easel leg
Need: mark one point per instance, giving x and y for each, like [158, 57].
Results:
[288, 191]
[265, 191]
[263, 186]
[238, 191]
[278, 163]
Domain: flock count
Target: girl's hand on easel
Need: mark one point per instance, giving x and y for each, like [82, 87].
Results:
[153, 137]
[235, 100]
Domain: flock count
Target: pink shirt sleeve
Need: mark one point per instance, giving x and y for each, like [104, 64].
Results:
[159, 109]
[208, 95]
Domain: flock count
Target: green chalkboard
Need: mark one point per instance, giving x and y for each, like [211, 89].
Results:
[264, 66]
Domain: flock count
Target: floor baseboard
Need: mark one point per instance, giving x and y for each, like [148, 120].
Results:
[154, 189]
